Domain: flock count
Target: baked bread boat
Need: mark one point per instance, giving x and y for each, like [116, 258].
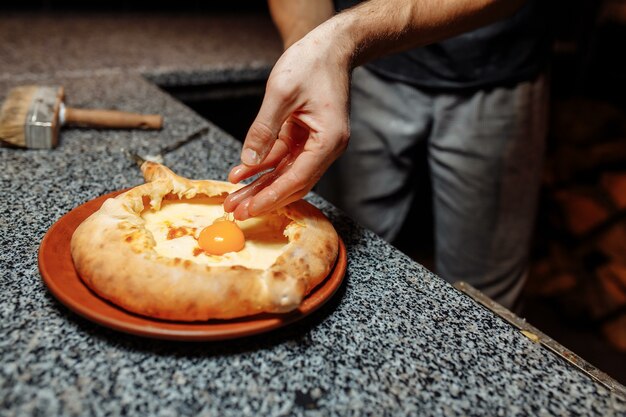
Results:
[140, 251]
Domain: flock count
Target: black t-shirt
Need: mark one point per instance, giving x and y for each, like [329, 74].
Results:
[506, 52]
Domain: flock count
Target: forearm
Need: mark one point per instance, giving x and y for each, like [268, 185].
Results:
[303, 123]
[379, 27]
[296, 18]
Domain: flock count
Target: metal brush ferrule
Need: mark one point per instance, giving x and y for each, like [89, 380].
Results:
[41, 127]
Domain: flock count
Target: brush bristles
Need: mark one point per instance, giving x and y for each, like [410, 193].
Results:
[13, 115]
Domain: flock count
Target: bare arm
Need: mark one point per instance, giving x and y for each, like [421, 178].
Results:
[296, 18]
[302, 126]
[379, 27]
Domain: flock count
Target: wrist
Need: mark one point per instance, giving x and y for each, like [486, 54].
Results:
[336, 36]
[366, 32]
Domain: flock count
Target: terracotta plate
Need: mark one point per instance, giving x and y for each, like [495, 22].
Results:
[58, 272]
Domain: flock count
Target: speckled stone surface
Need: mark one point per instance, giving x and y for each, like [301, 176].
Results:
[170, 49]
[395, 339]
[118, 91]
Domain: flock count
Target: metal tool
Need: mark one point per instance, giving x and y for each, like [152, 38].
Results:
[32, 115]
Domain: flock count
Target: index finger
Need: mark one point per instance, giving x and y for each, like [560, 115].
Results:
[263, 132]
[296, 179]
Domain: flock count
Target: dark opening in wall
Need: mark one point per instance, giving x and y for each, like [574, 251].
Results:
[231, 106]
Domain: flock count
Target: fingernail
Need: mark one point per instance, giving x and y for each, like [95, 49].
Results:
[272, 196]
[237, 170]
[227, 206]
[242, 213]
[250, 157]
[234, 173]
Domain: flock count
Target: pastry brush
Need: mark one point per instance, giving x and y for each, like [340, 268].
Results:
[32, 115]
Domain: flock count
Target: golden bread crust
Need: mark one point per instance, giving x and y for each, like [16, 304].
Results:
[115, 256]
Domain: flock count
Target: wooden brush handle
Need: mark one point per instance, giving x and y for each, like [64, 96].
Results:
[112, 119]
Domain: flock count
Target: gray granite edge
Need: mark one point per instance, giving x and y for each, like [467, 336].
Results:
[163, 76]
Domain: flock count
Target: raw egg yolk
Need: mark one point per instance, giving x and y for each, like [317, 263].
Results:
[221, 237]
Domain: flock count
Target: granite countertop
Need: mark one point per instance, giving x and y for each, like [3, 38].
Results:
[395, 339]
[169, 49]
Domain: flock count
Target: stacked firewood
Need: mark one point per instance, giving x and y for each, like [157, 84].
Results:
[580, 250]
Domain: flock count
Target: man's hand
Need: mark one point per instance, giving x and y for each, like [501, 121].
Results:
[301, 128]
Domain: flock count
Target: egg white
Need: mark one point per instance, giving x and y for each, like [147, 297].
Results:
[265, 239]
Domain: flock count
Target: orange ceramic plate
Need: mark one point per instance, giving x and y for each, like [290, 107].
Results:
[58, 272]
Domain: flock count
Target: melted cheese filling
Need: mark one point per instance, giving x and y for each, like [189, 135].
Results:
[177, 225]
